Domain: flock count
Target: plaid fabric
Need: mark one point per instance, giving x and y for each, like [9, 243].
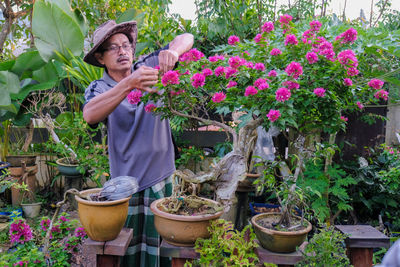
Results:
[144, 248]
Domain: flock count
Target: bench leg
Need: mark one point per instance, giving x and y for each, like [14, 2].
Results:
[361, 257]
[107, 261]
[179, 262]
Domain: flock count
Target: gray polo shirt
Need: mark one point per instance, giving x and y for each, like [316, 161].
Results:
[139, 143]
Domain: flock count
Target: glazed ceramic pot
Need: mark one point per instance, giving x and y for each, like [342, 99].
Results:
[182, 230]
[102, 220]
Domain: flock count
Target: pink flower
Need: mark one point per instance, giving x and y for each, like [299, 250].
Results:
[235, 62]
[80, 232]
[359, 105]
[291, 39]
[315, 25]
[219, 71]
[259, 81]
[259, 66]
[216, 58]
[352, 72]
[157, 67]
[275, 52]
[375, 83]
[348, 36]
[381, 94]
[348, 59]
[198, 79]
[218, 97]
[20, 232]
[134, 96]
[348, 82]
[273, 115]
[308, 34]
[231, 84]
[285, 19]
[233, 40]
[207, 72]
[44, 224]
[282, 94]
[343, 118]
[149, 107]
[258, 38]
[294, 69]
[291, 85]
[263, 86]
[272, 73]
[320, 92]
[250, 90]
[267, 27]
[312, 57]
[191, 55]
[170, 77]
[229, 72]
[249, 65]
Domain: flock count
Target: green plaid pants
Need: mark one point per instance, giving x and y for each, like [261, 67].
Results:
[144, 248]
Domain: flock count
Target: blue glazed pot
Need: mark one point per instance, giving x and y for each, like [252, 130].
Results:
[67, 169]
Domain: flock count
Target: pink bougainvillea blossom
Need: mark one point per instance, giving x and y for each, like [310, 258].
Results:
[272, 73]
[20, 232]
[268, 27]
[233, 40]
[348, 82]
[320, 92]
[149, 107]
[229, 72]
[218, 97]
[360, 105]
[381, 94]
[294, 69]
[282, 94]
[80, 232]
[308, 34]
[170, 77]
[157, 67]
[291, 85]
[174, 93]
[273, 115]
[231, 84]
[291, 39]
[216, 58]
[249, 65]
[134, 96]
[259, 66]
[259, 81]
[312, 57]
[315, 25]
[275, 52]
[263, 86]
[343, 118]
[349, 36]
[219, 71]
[207, 72]
[348, 58]
[191, 55]
[250, 90]
[258, 38]
[285, 19]
[376, 84]
[198, 80]
[235, 62]
[44, 224]
[352, 72]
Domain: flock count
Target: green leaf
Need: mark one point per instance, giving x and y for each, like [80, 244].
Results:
[7, 65]
[9, 83]
[132, 14]
[47, 73]
[28, 61]
[55, 30]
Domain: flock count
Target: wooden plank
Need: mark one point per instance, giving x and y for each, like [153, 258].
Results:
[168, 250]
[266, 256]
[361, 257]
[363, 236]
[107, 261]
[94, 247]
[119, 245]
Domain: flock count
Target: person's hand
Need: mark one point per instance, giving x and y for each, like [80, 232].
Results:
[167, 59]
[144, 78]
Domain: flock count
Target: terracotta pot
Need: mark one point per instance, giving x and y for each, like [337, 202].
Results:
[102, 220]
[181, 230]
[15, 160]
[278, 241]
[30, 180]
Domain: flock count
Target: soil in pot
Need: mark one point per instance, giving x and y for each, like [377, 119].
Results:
[271, 222]
[189, 206]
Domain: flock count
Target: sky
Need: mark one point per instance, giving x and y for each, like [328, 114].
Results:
[186, 8]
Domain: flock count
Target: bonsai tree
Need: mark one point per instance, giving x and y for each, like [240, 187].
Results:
[302, 79]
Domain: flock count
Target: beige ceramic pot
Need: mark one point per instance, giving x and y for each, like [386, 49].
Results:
[278, 241]
[102, 220]
[180, 230]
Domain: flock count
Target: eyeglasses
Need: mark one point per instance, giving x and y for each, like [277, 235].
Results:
[115, 48]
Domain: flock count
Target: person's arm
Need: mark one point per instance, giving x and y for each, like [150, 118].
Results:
[99, 107]
[167, 58]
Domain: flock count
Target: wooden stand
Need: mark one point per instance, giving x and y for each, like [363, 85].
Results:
[179, 255]
[281, 259]
[108, 253]
[362, 239]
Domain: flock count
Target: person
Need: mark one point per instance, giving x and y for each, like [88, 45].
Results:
[139, 142]
[392, 256]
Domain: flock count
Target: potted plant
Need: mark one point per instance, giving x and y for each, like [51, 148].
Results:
[31, 203]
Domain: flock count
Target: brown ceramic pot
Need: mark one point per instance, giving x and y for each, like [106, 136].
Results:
[18, 176]
[102, 220]
[278, 241]
[180, 230]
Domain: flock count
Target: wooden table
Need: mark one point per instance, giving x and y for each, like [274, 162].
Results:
[180, 255]
[108, 253]
[360, 242]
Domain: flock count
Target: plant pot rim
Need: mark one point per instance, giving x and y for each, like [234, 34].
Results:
[59, 162]
[6, 164]
[98, 203]
[31, 204]
[255, 218]
[252, 175]
[184, 218]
